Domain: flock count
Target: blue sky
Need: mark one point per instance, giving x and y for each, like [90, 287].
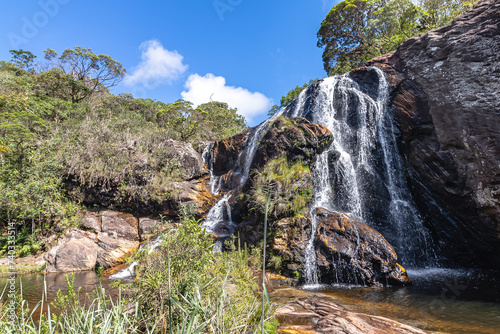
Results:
[245, 52]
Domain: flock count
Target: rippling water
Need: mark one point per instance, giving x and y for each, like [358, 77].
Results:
[440, 301]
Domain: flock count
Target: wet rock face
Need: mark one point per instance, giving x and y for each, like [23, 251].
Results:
[347, 250]
[297, 137]
[445, 99]
[322, 315]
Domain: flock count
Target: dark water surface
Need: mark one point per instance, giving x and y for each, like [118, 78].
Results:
[31, 287]
[440, 301]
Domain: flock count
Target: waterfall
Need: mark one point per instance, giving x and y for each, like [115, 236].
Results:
[219, 214]
[130, 270]
[361, 173]
[219, 217]
[208, 159]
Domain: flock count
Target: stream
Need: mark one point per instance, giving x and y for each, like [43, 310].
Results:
[440, 301]
[32, 286]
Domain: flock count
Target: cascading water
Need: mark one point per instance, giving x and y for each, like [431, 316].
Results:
[208, 158]
[361, 174]
[130, 270]
[219, 220]
[219, 213]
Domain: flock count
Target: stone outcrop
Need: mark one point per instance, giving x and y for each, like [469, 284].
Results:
[297, 138]
[120, 225]
[105, 240]
[347, 251]
[445, 86]
[184, 186]
[76, 253]
[113, 251]
[188, 159]
[322, 315]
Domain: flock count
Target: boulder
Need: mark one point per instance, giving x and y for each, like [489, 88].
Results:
[322, 315]
[347, 250]
[120, 225]
[74, 255]
[296, 138]
[188, 159]
[445, 86]
[147, 227]
[91, 221]
[113, 251]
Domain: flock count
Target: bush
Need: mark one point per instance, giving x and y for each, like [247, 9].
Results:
[185, 284]
[291, 183]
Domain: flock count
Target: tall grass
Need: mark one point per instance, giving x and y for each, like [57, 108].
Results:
[183, 288]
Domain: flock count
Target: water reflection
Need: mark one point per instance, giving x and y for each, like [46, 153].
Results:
[31, 287]
[443, 300]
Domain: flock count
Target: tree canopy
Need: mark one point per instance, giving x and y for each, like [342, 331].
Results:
[85, 71]
[59, 127]
[355, 31]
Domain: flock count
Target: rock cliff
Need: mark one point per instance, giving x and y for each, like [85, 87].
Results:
[445, 98]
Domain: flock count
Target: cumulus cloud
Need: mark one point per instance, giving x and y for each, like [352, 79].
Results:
[201, 89]
[158, 66]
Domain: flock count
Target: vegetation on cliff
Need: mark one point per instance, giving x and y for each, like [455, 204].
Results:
[61, 132]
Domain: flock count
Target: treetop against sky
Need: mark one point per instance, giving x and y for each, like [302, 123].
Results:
[245, 53]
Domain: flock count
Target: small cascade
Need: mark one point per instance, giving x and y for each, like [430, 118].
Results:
[219, 220]
[361, 174]
[208, 159]
[251, 144]
[130, 270]
[219, 217]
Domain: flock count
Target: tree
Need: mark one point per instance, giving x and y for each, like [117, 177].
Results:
[19, 126]
[86, 71]
[220, 121]
[355, 31]
[181, 117]
[437, 13]
[392, 24]
[23, 59]
[343, 35]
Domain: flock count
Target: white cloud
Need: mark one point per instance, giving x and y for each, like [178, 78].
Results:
[201, 89]
[158, 65]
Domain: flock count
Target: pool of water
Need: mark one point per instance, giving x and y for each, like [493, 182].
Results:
[440, 300]
[31, 287]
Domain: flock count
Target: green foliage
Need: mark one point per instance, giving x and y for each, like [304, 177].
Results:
[86, 71]
[355, 31]
[54, 151]
[23, 59]
[100, 315]
[437, 13]
[69, 299]
[210, 121]
[291, 192]
[221, 299]
[220, 121]
[185, 285]
[342, 34]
